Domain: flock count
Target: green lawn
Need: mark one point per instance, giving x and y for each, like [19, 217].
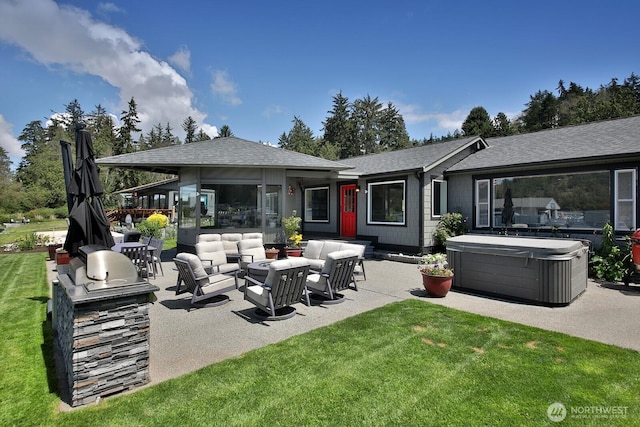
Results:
[410, 363]
[15, 233]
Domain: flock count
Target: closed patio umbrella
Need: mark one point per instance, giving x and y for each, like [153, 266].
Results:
[88, 223]
[507, 210]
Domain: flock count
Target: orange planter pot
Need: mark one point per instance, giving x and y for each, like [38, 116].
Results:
[437, 286]
[294, 252]
[272, 254]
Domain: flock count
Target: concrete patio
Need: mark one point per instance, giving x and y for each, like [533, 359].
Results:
[183, 341]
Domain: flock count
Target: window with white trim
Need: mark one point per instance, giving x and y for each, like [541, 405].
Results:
[483, 191]
[438, 197]
[583, 200]
[625, 199]
[386, 202]
[316, 204]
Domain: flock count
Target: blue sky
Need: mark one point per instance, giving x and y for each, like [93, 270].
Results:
[254, 65]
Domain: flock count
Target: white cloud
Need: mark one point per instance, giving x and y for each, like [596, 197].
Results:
[67, 36]
[11, 145]
[225, 88]
[272, 110]
[109, 8]
[444, 121]
[182, 59]
[212, 131]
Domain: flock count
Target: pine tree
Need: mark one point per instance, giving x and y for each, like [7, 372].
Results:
[190, 126]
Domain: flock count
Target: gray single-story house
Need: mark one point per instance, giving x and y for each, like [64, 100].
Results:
[394, 199]
[569, 180]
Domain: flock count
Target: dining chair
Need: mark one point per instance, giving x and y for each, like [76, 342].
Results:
[139, 255]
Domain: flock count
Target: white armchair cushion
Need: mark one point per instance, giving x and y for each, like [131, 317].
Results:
[196, 266]
[316, 281]
[259, 294]
[251, 250]
[211, 251]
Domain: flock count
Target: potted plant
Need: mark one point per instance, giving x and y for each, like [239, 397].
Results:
[291, 226]
[437, 277]
[272, 253]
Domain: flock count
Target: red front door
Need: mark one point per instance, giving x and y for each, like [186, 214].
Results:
[348, 211]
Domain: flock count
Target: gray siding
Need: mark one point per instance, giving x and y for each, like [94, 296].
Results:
[453, 201]
[400, 235]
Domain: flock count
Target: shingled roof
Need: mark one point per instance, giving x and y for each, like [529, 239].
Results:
[219, 153]
[592, 142]
[420, 158]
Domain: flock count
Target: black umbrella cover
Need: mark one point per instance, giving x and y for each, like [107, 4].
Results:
[88, 223]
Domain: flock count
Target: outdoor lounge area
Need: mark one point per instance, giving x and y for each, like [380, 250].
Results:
[183, 340]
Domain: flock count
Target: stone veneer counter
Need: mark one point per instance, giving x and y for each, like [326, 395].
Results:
[102, 337]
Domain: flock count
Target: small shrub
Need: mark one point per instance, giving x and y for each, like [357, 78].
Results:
[61, 212]
[149, 229]
[153, 225]
[611, 262]
[31, 241]
[160, 219]
[450, 225]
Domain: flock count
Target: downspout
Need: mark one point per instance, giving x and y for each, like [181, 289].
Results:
[420, 177]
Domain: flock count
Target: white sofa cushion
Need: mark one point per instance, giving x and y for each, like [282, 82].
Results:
[230, 242]
[313, 249]
[209, 237]
[329, 247]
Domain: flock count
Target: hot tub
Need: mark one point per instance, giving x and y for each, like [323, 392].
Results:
[544, 271]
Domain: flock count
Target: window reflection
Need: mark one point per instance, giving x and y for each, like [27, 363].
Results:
[578, 200]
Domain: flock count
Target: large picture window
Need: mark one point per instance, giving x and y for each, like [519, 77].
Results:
[316, 204]
[229, 206]
[386, 202]
[579, 200]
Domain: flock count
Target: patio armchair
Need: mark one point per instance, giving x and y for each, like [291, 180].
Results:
[131, 236]
[214, 257]
[283, 287]
[207, 289]
[250, 250]
[336, 275]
